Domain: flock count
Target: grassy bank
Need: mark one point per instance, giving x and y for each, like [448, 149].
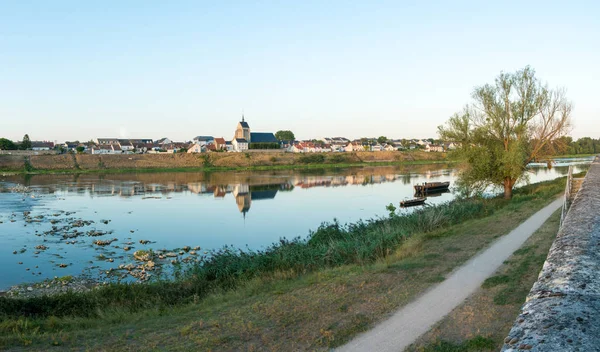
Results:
[40, 164]
[483, 321]
[321, 166]
[351, 275]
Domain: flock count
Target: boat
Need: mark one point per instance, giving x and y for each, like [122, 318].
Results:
[413, 202]
[431, 187]
[433, 193]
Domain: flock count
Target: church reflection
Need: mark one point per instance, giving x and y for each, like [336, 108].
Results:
[244, 187]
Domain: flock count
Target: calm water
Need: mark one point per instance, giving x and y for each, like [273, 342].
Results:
[208, 210]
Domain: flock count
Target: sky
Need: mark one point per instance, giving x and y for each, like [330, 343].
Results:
[149, 69]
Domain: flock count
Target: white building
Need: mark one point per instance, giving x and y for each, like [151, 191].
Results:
[239, 144]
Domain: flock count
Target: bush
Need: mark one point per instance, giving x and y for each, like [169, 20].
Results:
[311, 158]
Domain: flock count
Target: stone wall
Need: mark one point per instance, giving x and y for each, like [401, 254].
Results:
[562, 311]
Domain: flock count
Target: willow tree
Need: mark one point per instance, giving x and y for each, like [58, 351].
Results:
[510, 123]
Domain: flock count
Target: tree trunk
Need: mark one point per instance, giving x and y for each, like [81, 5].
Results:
[508, 187]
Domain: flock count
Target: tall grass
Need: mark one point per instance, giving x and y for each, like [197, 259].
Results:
[331, 245]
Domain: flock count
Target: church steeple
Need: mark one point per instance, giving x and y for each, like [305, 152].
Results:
[242, 117]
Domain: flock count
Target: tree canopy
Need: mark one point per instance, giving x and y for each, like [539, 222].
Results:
[7, 144]
[285, 135]
[382, 139]
[26, 142]
[510, 123]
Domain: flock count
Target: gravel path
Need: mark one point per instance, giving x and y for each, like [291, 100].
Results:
[417, 317]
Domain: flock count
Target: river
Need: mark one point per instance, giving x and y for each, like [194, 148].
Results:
[63, 215]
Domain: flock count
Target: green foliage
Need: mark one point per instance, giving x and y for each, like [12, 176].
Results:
[263, 146]
[285, 135]
[391, 209]
[585, 145]
[80, 149]
[206, 161]
[311, 158]
[338, 159]
[510, 124]
[475, 344]
[382, 139]
[25, 143]
[7, 144]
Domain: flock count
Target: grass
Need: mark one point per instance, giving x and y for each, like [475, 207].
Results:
[488, 315]
[351, 275]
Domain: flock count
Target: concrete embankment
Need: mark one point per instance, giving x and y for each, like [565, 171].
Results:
[562, 310]
[86, 162]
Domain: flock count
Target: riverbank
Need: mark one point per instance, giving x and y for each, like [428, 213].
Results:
[483, 321]
[85, 163]
[268, 299]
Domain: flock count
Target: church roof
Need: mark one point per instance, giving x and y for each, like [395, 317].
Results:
[263, 137]
[244, 124]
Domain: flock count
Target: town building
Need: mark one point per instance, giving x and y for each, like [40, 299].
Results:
[243, 132]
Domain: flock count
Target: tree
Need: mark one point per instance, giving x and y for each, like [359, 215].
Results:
[285, 135]
[7, 144]
[26, 143]
[80, 149]
[511, 122]
[382, 139]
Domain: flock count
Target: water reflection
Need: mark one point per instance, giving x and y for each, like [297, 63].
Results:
[210, 210]
[244, 187]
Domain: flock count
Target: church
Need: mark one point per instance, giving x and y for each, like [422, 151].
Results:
[243, 138]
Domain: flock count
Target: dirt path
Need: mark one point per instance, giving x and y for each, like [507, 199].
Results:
[417, 317]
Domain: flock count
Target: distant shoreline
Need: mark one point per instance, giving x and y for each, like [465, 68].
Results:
[256, 161]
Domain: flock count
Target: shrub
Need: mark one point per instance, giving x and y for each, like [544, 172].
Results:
[311, 158]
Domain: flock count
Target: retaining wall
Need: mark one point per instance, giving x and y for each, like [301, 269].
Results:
[562, 311]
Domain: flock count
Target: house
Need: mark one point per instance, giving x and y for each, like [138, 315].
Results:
[203, 140]
[38, 145]
[354, 147]
[142, 148]
[220, 143]
[143, 140]
[126, 145]
[70, 146]
[107, 141]
[450, 146]
[239, 144]
[389, 148]
[434, 148]
[376, 147]
[164, 140]
[175, 147]
[195, 148]
[339, 141]
[102, 149]
[296, 148]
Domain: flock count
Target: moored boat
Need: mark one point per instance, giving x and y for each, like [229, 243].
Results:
[413, 202]
[431, 187]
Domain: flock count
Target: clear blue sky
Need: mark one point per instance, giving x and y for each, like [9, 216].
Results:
[83, 69]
